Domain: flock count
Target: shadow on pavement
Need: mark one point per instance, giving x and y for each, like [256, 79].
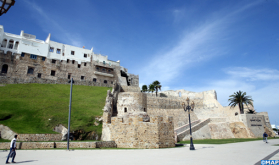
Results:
[27, 161]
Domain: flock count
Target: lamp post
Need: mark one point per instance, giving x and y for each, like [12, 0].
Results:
[70, 106]
[189, 108]
[5, 5]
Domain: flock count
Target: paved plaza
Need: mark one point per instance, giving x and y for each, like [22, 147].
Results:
[245, 153]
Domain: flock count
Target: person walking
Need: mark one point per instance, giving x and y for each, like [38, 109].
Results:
[265, 136]
[12, 150]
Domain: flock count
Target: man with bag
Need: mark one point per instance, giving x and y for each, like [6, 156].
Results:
[265, 136]
[12, 150]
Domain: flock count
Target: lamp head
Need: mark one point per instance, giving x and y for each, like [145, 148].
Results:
[192, 105]
[188, 100]
[183, 104]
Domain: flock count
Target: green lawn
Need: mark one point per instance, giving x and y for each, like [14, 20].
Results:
[38, 108]
[4, 140]
[221, 141]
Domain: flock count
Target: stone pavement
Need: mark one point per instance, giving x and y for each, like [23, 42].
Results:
[244, 153]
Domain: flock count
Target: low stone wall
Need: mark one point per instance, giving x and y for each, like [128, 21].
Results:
[14, 80]
[39, 137]
[49, 145]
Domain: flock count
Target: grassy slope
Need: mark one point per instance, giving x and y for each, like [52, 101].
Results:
[32, 105]
[221, 141]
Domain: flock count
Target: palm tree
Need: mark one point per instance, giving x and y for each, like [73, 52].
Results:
[144, 88]
[239, 98]
[157, 85]
[151, 88]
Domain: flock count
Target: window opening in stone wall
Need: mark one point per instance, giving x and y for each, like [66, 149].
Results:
[72, 52]
[68, 60]
[58, 51]
[85, 55]
[84, 64]
[43, 58]
[144, 109]
[78, 65]
[16, 45]
[11, 44]
[111, 82]
[105, 81]
[82, 77]
[73, 62]
[39, 75]
[94, 80]
[125, 109]
[179, 94]
[109, 70]
[69, 76]
[4, 68]
[51, 49]
[104, 70]
[98, 68]
[4, 43]
[33, 56]
[30, 70]
[53, 61]
[22, 54]
[104, 62]
[52, 73]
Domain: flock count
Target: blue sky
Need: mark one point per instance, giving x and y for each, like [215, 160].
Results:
[193, 45]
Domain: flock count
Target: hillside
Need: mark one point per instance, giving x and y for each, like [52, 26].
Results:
[38, 108]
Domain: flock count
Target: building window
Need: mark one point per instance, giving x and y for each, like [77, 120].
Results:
[109, 70]
[104, 62]
[43, 58]
[98, 68]
[72, 52]
[4, 68]
[39, 75]
[4, 43]
[58, 51]
[111, 82]
[51, 49]
[144, 109]
[52, 73]
[82, 77]
[125, 109]
[68, 60]
[73, 62]
[22, 54]
[30, 70]
[104, 70]
[69, 76]
[94, 80]
[11, 44]
[33, 56]
[78, 65]
[16, 45]
[84, 64]
[53, 61]
[85, 55]
[105, 81]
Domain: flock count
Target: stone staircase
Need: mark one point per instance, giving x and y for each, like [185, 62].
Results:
[183, 131]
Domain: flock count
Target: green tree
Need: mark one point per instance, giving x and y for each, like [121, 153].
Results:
[239, 98]
[151, 88]
[157, 85]
[144, 88]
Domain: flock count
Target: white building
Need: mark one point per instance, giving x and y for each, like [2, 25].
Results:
[27, 43]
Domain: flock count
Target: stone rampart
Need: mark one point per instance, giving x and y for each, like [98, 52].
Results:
[39, 137]
[49, 145]
[138, 134]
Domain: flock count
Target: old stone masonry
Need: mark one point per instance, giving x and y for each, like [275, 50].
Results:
[131, 119]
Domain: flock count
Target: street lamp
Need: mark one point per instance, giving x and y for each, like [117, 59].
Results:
[189, 108]
[70, 105]
[5, 5]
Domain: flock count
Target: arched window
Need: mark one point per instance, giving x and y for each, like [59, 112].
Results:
[4, 68]
[30, 70]
[16, 45]
[105, 81]
[125, 109]
[94, 80]
[4, 43]
[11, 44]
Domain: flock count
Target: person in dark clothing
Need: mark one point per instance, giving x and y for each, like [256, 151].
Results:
[265, 137]
[12, 150]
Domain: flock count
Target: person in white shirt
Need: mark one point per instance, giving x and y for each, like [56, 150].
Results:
[12, 150]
